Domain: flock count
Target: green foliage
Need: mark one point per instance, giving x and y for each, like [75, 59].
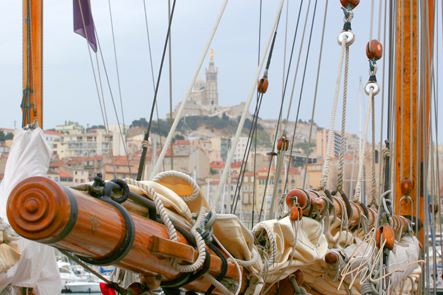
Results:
[4, 137]
[95, 127]
[179, 137]
[304, 146]
[212, 171]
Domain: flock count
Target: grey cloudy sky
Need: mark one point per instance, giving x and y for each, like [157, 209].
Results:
[69, 88]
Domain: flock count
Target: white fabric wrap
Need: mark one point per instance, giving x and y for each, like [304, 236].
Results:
[405, 252]
[37, 267]
[311, 245]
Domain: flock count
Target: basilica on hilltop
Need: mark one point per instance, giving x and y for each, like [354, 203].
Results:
[203, 100]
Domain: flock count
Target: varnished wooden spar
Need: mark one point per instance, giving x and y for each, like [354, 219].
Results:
[46, 212]
[310, 202]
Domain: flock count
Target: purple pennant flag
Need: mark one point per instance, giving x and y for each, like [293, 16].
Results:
[83, 22]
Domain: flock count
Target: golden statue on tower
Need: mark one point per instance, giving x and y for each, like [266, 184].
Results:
[212, 53]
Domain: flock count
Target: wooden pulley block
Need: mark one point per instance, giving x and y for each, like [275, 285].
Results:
[295, 213]
[298, 194]
[406, 186]
[349, 3]
[319, 204]
[332, 258]
[283, 144]
[262, 86]
[385, 233]
[433, 208]
[374, 50]
[299, 277]
[137, 289]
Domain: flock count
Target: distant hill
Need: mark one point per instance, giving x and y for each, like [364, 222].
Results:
[224, 126]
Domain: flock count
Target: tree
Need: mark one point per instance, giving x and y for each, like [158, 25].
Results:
[4, 136]
[304, 146]
[212, 171]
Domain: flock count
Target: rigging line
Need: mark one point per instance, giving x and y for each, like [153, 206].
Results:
[113, 102]
[104, 116]
[284, 51]
[372, 20]
[379, 19]
[116, 66]
[170, 86]
[255, 168]
[343, 124]
[325, 172]
[411, 80]
[281, 108]
[299, 56]
[248, 102]
[357, 196]
[402, 85]
[255, 146]
[289, 66]
[155, 100]
[303, 81]
[152, 75]
[246, 154]
[32, 65]
[314, 102]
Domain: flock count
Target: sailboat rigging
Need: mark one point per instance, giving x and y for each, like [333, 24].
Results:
[316, 237]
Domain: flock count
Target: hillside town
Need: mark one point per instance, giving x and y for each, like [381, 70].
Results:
[200, 149]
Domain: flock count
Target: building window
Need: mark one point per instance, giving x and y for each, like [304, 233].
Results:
[186, 161]
[76, 173]
[246, 188]
[180, 161]
[261, 189]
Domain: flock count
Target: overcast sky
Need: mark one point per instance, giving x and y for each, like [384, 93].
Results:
[70, 91]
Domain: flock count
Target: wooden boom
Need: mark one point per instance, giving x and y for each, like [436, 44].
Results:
[46, 212]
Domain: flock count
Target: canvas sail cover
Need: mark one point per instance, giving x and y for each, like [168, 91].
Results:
[37, 267]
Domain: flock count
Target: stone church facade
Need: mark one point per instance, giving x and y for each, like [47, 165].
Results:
[203, 100]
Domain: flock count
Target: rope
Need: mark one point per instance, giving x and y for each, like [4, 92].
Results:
[245, 110]
[343, 125]
[251, 262]
[190, 180]
[158, 205]
[315, 99]
[360, 170]
[373, 152]
[271, 241]
[152, 71]
[325, 172]
[201, 246]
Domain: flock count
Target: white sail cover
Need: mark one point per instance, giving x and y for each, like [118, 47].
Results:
[37, 267]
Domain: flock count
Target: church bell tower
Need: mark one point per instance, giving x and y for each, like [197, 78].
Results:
[211, 83]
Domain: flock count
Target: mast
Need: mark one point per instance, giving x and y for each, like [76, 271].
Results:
[412, 110]
[32, 101]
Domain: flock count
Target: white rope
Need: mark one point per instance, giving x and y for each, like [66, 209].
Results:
[251, 262]
[280, 159]
[145, 144]
[271, 241]
[357, 197]
[201, 246]
[343, 125]
[158, 205]
[190, 180]
[245, 111]
[325, 172]
[373, 152]
[188, 92]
